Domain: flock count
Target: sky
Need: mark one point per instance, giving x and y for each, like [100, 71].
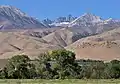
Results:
[52, 9]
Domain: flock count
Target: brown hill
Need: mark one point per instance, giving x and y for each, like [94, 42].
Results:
[13, 43]
[39, 32]
[65, 36]
[61, 37]
[105, 46]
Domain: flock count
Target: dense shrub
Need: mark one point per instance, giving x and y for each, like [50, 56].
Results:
[19, 67]
[59, 64]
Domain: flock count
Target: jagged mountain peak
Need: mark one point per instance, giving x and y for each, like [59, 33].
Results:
[92, 16]
[8, 8]
[12, 17]
[88, 17]
[88, 14]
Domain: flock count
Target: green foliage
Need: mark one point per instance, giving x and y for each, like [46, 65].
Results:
[19, 67]
[59, 64]
[44, 67]
[3, 73]
[63, 57]
[112, 69]
[92, 69]
[66, 65]
[97, 70]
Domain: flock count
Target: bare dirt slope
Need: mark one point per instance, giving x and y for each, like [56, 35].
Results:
[62, 37]
[105, 46]
[14, 43]
[65, 36]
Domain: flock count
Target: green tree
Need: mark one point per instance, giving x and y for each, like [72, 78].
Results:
[66, 64]
[3, 73]
[97, 70]
[44, 67]
[20, 67]
[112, 69]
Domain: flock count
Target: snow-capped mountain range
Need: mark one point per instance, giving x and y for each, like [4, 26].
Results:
[12, 17]
[90, 23]
[89, 19]
[86, 19]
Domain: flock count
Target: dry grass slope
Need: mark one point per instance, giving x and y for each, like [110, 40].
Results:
[64, 37]
[13, 43]
[105, 46]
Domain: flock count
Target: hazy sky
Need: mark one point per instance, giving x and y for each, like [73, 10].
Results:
[53, 8]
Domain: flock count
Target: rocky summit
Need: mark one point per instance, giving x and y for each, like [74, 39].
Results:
[12, 17]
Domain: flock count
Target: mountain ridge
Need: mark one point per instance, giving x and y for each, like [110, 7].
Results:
[12, 17]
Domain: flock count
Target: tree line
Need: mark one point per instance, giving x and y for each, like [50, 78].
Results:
[59, 64]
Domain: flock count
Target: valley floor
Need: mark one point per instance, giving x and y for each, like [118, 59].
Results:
[69, 81]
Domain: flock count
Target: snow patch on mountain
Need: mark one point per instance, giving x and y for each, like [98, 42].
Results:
[86, 20]
[111, 20]
[12, 17]
[62, 24]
